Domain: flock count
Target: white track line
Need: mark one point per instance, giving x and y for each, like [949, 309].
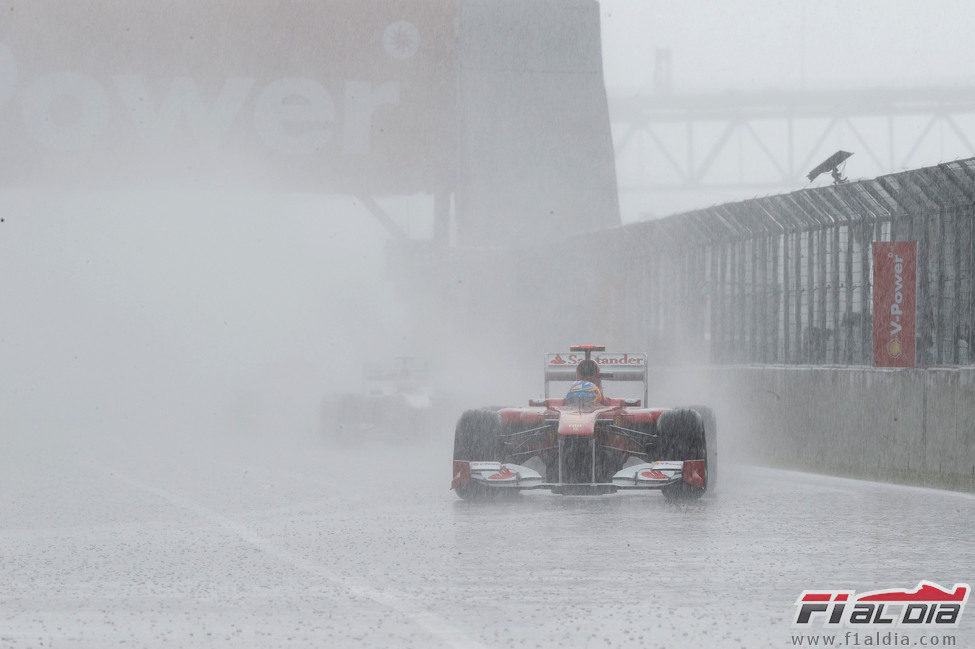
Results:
[859, 483]
[431, 623]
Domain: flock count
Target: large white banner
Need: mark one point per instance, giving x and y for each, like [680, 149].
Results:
[354, 95]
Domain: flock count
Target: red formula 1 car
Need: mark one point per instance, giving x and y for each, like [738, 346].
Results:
[586, 447]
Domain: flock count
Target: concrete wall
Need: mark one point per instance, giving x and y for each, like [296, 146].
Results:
[913, 426]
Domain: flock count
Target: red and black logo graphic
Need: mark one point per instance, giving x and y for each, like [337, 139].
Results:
[503, 474]
[927, 605]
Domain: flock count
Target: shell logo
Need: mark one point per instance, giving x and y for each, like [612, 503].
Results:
[894, 348]
[653, 474]
[503, 474]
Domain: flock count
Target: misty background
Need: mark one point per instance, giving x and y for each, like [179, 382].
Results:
[214, 214]
[162, 306]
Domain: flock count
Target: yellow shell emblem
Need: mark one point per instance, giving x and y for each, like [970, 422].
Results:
[894, 348]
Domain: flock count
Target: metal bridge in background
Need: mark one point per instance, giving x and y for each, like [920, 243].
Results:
[668, 142]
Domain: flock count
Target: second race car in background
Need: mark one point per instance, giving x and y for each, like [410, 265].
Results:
[397, 401]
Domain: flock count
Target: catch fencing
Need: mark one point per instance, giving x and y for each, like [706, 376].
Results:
[780, 279]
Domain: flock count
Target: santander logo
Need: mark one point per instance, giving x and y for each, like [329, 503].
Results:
[602, 359]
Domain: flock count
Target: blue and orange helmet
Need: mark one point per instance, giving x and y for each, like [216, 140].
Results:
[583, 394]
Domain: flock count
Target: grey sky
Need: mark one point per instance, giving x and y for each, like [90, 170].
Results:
[768, 45]
[774, 44]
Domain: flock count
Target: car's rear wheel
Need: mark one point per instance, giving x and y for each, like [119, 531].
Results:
[681, 437]
[477, 439]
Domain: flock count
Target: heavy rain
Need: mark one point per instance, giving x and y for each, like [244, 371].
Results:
[290, 292]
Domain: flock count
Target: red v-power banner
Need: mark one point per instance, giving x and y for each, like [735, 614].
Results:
[894, 303]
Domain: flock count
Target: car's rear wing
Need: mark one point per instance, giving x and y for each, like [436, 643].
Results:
[624, 366]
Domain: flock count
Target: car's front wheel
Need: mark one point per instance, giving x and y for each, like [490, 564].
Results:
[681, 436]
[477, 438]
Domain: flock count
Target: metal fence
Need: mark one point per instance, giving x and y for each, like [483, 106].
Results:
[780, 279]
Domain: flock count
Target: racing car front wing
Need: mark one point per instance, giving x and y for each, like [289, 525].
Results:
[648, 475]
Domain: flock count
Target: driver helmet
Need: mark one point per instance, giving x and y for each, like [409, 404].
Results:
[583, 394]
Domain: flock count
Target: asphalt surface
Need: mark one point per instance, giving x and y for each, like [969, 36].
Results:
[292, 541]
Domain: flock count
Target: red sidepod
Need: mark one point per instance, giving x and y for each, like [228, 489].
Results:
[644, 415]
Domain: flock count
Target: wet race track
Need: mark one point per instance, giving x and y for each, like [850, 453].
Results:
[298, 543]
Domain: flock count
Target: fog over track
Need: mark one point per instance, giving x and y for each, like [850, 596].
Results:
[210, 540]
[179, 301]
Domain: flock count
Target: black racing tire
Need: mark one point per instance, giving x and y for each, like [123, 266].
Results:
[477, 438]
[475, 492]
[682, 437]
[710, 444]
[682, 492]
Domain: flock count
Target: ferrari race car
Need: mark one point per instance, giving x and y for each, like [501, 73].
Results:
[587, 443]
